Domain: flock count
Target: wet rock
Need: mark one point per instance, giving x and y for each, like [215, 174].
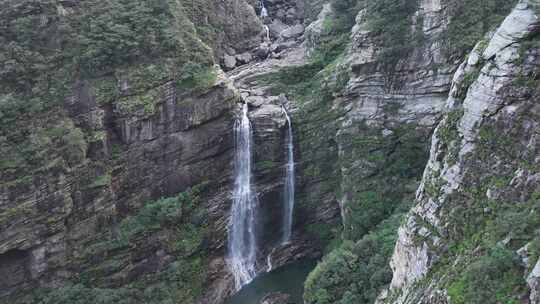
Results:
[276, 298]
[279, 47]
[256, 101]
[262, 51]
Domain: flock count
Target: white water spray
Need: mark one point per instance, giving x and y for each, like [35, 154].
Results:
[264, 11]
[288, 193]
[267, 29]
[242, 238]
[269, 263]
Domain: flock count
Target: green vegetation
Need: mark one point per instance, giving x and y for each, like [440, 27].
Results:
[174, 223]
[492, 278]
[488, 220]
[449, 135]
[391, 22]
[466, 83]
[386, 180]
[46, 47]
[179, 283]
[328, 235]
[356, 271]
[470, 20]
[266, 165]
[50, 46]
[47, 143]
[488, 270]
[376, 194]
[529, 79]
[195, 75]
[173, 215]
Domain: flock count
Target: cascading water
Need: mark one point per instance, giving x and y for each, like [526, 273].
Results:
[288, 193]
[242, 238]
[267, 30]
[264, 14]
[264, 11]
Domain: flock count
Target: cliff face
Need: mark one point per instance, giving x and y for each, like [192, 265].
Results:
[389, 101]
[121, 187]
[117, 147]
[483, 163]
[401, 106]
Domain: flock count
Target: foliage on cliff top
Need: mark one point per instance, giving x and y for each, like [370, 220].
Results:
[47, 47]
[89, 39]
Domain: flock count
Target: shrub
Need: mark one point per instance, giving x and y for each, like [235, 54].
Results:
[491, 278]
[354, 272]
[195, 75]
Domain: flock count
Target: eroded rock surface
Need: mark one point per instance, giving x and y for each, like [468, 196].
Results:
[493, 101]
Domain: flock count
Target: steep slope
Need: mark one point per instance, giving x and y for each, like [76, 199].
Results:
[476, 211]
[381, 101]
[117, 146]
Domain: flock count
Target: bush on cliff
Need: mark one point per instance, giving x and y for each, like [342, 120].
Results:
[356, 271]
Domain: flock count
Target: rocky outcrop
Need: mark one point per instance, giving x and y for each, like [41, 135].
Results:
[276, 298]
[533, 280]
[407, 101]
[418, 90]
[486, 95]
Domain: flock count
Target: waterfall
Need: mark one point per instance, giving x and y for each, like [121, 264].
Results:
[269, 262]
[242, 239]
[267, 30]
[288, 193]
[264, 11]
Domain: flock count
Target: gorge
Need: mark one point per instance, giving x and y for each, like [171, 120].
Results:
[269, 152]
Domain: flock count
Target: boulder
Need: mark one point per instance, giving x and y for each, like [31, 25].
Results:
[229, 62]
[293, 32]
[276, 28]
[244, 58]
[262, 51]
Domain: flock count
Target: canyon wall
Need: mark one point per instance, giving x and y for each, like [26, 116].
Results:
[415, 127]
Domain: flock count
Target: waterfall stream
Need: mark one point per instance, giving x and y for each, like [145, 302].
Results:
[264, 11]
[288, 192]
[267, 31]
[242, 238]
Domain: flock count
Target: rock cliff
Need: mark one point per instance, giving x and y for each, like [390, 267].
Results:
[416, 140]
[82, 207]
[483, 159]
